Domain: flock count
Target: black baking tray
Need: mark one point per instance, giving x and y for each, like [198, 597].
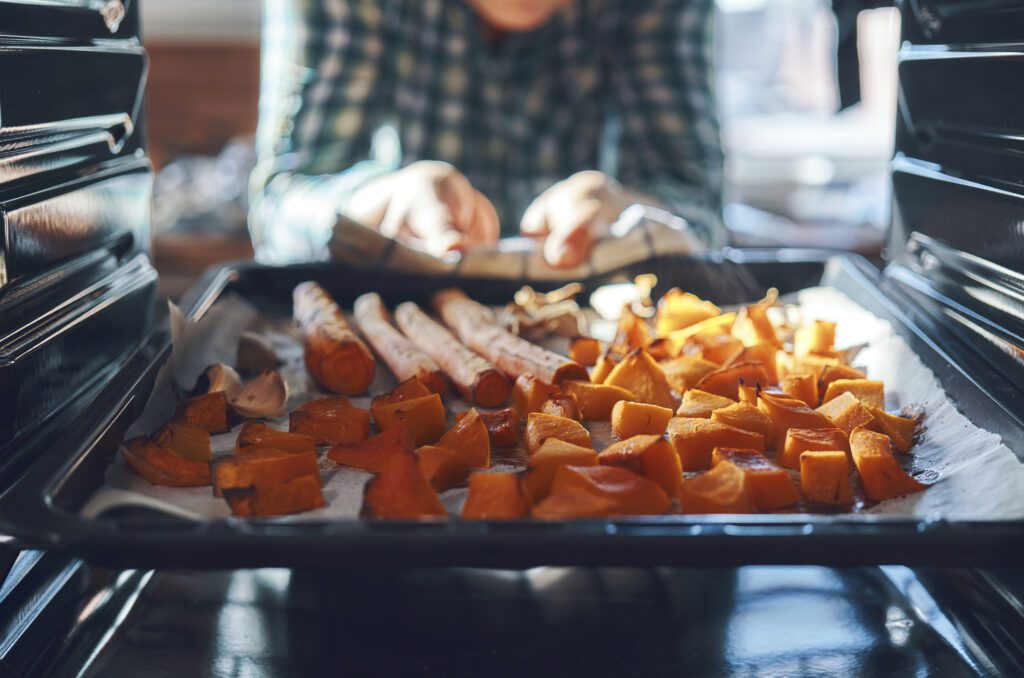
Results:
[40, 510]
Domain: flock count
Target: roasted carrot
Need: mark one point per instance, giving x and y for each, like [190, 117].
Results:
[336, 358]
[402, 357]
[476, 326]
[473, 376]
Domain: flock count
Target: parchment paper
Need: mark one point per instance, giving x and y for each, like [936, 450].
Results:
[972, 475]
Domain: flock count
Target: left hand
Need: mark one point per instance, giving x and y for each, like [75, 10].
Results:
[574, 214]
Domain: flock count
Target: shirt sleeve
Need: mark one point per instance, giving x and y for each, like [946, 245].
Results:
[321, 99]
[663, 82]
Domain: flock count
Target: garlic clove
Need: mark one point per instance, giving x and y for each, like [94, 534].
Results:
[218, 377]
[266, 396]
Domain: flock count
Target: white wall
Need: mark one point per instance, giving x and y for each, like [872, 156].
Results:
[200, 20]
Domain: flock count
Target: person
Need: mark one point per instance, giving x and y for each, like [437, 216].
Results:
[451, 123]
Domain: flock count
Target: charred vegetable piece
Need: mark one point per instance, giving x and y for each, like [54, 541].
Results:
[495, 496]
[162, 467]
[373, 453]
[695, 439]
[562, 405]
[881, 474]
[502, 426]
[546, 460]
[256, 435]
[185, 441]
[768, 486]
[540, 427]
[331, 421]
[425, 417]
[208, 412]
[401, 491]
[650, 456]
[597, 400]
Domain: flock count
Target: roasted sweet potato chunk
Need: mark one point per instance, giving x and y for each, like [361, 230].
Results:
[276, 499]
[746, 417]
[685, 371]
[787, 413]
[373, 453]
[825, 477]
[639, 374]
[585, 350]
[254, 484]
[495, 496]
[650, 456]
[695, 439]
[186, 441]
[868, 391]
[596, 400]
[698, 404]
[546, 460]
[802, 387]
[425, 417]
[562, 405]
[768, 486]
[529, 394]
[258, 435]
[443, 468]
[678, 310]
[881, 474]
[899, 429]
[161, 467]
[723, 489]
[629, 493]
[800, 440]
[726, 381]
[817, 338]
[847, 412]
[208, 412]
[632, 419]
[468, 437]
[330, 421]
[502, 426]
[573, 502]
[540, 427]
[401, 491]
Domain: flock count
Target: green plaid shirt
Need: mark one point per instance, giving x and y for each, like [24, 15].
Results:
[352, 89]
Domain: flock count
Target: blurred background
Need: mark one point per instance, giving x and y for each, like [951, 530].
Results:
[807, 96]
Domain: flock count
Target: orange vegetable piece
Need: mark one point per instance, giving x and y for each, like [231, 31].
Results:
[871, 393]
[639, 374]
[726, 381]
[694, 440]
[629, 493]
[687, 370]
[331, 421]
[723, 489]
[846, 412]
[208, 412]
[573, 502]
[596, 400]
[746, 417]
[401, 491]
[160, 467]
[562, 405]
[718, 348]
[899, 429]
[660, 349]
[495, 496]
[603, 368]
[829, 373]
[802, 387]
[262, 469]
[502, 426]
[882, 476]
[529, 394]
[443, 468]
[425, 417]
[256, 434]
[631, 333]
[700, 404]
[469, 439]
[374, 452]
[787, 413]
[718, 325]
[630, 419]
[546, 460]
[540, 427]
[585, 350]
[650, 456]
[825, 477]
[769, 486]
[275, 499]
[678, 309]
[817, 338]
[753, 327]
[748, 395]
[799, 440]
[185, 441]
[759, 353]
[407, 390]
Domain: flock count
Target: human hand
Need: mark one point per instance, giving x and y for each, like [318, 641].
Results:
[574, 214]
[429, 204]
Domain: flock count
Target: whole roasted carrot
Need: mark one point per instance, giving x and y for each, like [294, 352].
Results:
[403, 357]
[476, 326]
[475, 378]
[336, 358]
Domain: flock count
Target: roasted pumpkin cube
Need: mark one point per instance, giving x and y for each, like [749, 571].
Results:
[529, 394]
[769, 486]
[787, 364]
[718, 325]
[331, 421]
[495, 496]
[540, 427]
[718, 348]
[208, 412]
[825, 477]
[425, 417]
[276, 499]
[256, 434]
[563, 405]
[585, 350]
[695, 439]
[746, 417]
[648, 455]
[596, 400]
[630, 419]
[800, 440]
[678, 309]
[723, 489]
[880, 473]
[443, 468]
[639, 374]
[899, 429]
[468, 437]
[546, 460]
[605, 364]
[407, 390]
[868, 391]
[190, 442]
[502, 426]
[660, 349]
[373, 453]
[630, 493]
[631, 333]
[759, 353]
[819, 337]
[802, 387]
[846, 412]
[685, 371]
[748, 395]
[700, 404]
[753, 326]
[787, 413]
[573, 502]
[829, 373]
[401, 491]
[262, 469]
[726, 381]
[160, 467]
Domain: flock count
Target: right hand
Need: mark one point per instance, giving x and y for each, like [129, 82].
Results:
[428, 204]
